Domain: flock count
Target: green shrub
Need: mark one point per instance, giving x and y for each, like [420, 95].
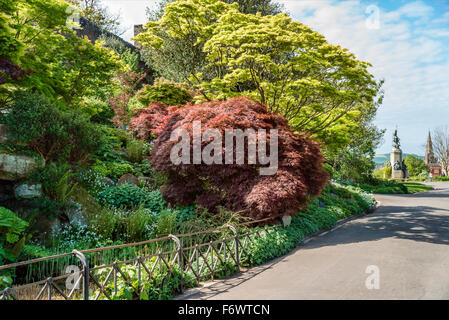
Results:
[12, 240]
[113, 170]
[58, 135]
[144, 168]
[166, 222]
[112, 141]
[163, 285]
[98, 110]
[166, 92]
[135, 150]
[116, 170]
[140, 224]
[329, 169]
[270, 244]
[131, 196]
[45, 206]
[439, 178]
[321, 217]
[135, 104]
[91, 180]
[57, 180]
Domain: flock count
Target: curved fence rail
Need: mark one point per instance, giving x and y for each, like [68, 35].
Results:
[161, 262]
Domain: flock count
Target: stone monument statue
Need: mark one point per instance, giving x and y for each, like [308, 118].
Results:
[396, 143]
[397, 171]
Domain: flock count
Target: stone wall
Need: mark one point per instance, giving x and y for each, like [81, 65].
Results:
[94, 32]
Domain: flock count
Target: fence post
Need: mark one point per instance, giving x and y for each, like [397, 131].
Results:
[236, 244]
[6, 294]
[85, 264]
[180, 258]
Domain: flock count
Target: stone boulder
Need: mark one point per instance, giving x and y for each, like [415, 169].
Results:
[286, 221]
[76, 214]
[128, 179]
[85, 205]
[14, 167]
[28, 191]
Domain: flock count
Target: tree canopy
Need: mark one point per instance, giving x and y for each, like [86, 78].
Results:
[95, 12]
[180, 53]
[279, 62]
[415, 165]
[63, 65]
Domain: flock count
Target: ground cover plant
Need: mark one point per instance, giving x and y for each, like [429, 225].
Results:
[391, 187]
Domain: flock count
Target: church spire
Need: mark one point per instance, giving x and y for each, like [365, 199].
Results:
[429, 157]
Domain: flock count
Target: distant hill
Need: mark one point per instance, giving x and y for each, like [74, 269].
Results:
[380, 159]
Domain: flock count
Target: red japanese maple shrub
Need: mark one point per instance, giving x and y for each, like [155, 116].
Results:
[240, 187]
[149, 122]
[129, 81]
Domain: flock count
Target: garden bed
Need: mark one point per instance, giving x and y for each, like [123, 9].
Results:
[391, 187]
[257, 244]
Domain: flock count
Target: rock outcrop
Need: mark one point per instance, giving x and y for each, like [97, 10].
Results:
[14, 167]
[128, 179]
[28, 191]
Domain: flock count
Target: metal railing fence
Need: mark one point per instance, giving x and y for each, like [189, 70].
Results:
[175, 263]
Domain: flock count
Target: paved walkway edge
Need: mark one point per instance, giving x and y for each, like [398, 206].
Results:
[339, 224]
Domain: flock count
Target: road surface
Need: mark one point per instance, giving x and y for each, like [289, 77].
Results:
[405, 241]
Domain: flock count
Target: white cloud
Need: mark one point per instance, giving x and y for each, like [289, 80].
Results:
[413, 60]
[132, 12]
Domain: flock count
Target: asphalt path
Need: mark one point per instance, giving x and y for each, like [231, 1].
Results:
[401, 251]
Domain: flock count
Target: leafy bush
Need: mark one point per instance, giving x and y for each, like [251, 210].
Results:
[390, 187]
[135, 150]
[45, 206]
[169, 93]
[415, 165]
[57, 135]
[134, 104]
[149, 122]
[98, 110]
[163, 285]
[131, 196]
[383, 173]
[129, 82]
[113, 170]
[11, 235]
[240, 187]
[12, 240]
[143, 168]
[93, 181]
[440, 178]
[57, 181]
[112, 142]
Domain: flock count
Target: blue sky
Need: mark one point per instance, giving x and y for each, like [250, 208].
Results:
[406, 41]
